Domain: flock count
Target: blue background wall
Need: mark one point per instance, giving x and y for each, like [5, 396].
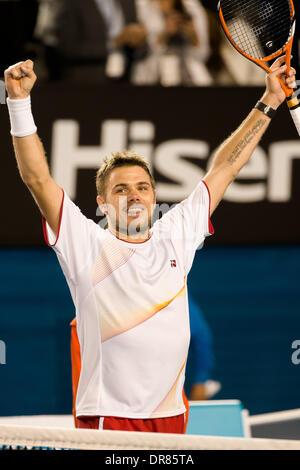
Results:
[250, 297]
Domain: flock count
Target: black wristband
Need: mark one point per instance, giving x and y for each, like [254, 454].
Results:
[264, 108]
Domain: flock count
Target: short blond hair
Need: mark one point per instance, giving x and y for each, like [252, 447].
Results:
[116, 160]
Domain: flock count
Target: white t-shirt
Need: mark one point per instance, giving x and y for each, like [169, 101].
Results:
[131, 308]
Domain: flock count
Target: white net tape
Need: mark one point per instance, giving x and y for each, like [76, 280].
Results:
[60, 438]
[267, 418]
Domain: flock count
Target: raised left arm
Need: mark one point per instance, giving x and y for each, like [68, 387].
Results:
[235, 152]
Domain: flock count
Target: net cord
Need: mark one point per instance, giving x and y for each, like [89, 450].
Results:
[60, 438]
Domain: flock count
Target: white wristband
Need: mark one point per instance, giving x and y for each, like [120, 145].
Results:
[21, 118]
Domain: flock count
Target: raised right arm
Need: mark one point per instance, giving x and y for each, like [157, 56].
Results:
[29, 151]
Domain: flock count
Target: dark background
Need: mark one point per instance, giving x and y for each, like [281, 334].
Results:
[204, 114]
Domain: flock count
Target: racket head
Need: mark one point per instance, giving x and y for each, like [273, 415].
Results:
[261, 30]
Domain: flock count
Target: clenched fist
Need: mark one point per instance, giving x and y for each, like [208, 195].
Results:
[19, 80]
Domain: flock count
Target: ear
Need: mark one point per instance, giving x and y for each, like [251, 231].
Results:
[101, 204]
[154, 195]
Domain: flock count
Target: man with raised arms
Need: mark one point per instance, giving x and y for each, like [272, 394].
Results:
[128, 282]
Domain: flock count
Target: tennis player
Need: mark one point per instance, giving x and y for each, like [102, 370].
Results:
[128, 282]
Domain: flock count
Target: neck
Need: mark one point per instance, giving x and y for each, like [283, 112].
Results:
[137, 238]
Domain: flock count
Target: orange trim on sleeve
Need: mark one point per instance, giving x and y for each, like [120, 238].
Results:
[210, 225]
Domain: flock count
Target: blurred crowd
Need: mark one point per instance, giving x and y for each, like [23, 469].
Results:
[141, 42]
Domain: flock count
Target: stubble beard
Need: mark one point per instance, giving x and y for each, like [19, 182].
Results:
[134, 228]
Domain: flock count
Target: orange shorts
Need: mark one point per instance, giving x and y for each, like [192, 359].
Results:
[173, 424]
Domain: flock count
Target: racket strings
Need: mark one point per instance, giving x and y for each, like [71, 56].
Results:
[248, 39]
[259, 28]
[256, 12]
[260, 19]
[266, 8]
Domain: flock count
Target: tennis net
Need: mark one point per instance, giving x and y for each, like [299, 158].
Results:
[50, 438]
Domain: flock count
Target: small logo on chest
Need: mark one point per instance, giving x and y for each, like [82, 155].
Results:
[173, 263]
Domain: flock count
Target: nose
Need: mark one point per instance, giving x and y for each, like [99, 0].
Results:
[133, 196]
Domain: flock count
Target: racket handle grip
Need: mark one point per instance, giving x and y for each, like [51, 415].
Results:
[294, 107]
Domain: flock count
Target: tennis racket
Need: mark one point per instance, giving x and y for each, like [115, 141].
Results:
[262, 30]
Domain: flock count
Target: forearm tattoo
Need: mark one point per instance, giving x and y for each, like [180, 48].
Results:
[246, 141]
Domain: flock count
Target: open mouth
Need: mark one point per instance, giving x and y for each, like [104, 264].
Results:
[135, 211]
